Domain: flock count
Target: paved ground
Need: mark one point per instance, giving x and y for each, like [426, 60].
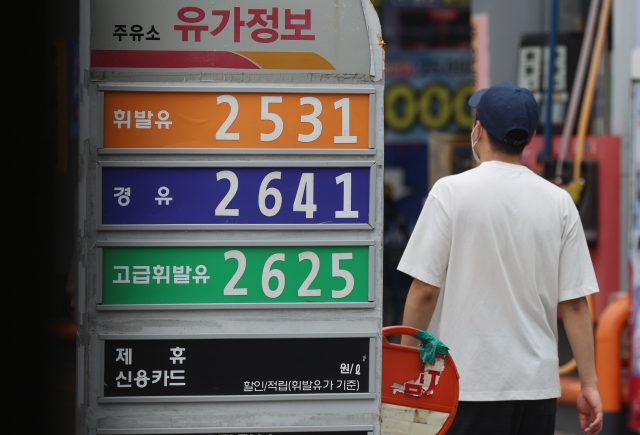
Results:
[567, 421]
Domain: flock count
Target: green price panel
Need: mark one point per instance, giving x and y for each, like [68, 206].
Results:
[235, 275]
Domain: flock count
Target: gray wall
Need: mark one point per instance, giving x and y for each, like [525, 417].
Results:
[510, 19]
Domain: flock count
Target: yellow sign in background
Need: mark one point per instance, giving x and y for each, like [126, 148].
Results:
[235, 120]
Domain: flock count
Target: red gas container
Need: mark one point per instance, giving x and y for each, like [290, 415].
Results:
[417, 398]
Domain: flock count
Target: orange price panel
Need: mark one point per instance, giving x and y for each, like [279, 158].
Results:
[235, 120]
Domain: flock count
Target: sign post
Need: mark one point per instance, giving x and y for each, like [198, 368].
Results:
[230, 217]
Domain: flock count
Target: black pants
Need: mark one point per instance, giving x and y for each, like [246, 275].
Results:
[509, 417]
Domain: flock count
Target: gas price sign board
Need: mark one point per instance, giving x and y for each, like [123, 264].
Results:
[235, 275]
[235, 195]
[236, 120]
[230, 221]
[227, 367]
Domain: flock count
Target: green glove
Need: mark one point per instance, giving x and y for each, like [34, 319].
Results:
[430, 346]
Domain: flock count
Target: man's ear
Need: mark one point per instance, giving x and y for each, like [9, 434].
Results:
[480, 128]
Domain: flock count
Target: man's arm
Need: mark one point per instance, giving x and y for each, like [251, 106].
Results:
[419, 308]
[577, 323]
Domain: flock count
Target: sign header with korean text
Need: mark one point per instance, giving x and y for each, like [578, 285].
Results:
[236, 120]
[285, 35]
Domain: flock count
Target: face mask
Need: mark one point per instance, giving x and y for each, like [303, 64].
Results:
[473, 144]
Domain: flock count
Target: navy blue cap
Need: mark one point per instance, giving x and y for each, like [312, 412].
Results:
[505, 107]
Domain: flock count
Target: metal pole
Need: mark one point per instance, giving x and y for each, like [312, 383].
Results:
[590, 88]
[578, 83]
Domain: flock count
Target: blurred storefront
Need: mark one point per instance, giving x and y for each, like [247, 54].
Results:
[428, 83]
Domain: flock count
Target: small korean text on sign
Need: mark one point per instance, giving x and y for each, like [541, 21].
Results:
[225, 367]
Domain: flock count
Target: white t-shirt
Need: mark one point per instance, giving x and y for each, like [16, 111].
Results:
[505, 246]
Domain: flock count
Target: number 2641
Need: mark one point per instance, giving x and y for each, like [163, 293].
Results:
[303, 202]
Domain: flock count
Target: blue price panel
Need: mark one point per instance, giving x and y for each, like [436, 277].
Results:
[230, 195]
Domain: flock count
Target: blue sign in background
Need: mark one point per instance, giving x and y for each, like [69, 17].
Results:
[443, 75]
[195, 193]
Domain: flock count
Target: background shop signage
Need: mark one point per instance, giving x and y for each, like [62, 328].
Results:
[427, 91]
[235, 275]
[236, 120]
[235, 195]
[308, 35]
[236, 367]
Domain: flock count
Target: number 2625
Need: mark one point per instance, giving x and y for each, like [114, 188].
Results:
[269, 273]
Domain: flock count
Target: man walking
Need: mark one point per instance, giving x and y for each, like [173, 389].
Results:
[505, 248]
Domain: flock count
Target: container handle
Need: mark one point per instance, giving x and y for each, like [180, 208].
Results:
[398, 330]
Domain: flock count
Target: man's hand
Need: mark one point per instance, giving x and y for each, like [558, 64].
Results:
[418, 310]
[577, 323]
[590, 410]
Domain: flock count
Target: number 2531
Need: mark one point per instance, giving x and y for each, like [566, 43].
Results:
[268, 113]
